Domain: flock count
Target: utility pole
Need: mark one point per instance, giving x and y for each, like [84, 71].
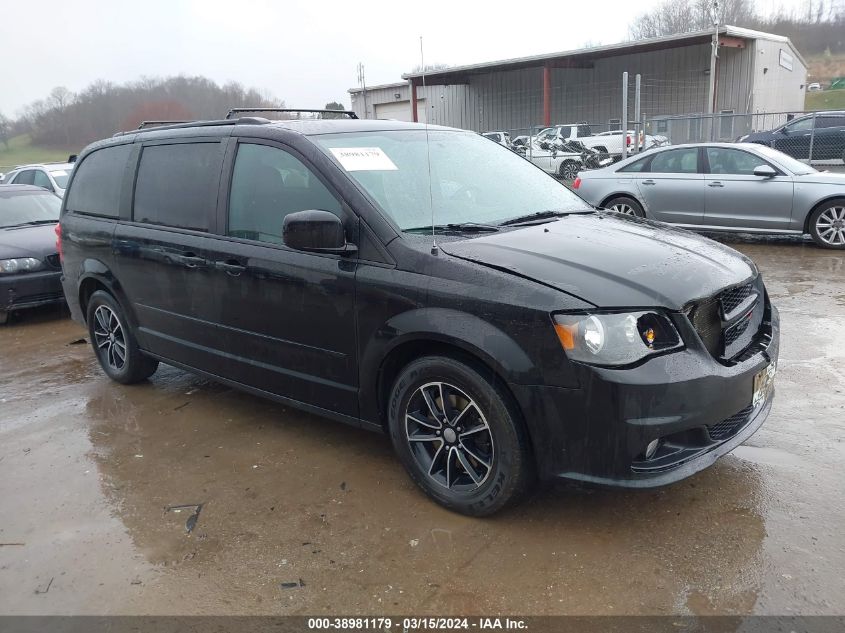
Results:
[638, 115]
[363, 83]
[714, 56]
[624, 114]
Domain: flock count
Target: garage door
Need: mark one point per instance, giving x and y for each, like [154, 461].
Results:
[400, 110]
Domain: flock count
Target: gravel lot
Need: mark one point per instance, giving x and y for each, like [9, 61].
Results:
[303, 515]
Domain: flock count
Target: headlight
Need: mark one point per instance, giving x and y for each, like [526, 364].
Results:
[615, 338]
[19, 265]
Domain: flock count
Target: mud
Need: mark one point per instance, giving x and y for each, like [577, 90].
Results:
[303, 515]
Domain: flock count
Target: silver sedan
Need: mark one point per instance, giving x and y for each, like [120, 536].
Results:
[740, 187]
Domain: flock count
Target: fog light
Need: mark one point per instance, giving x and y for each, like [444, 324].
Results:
[651, 449]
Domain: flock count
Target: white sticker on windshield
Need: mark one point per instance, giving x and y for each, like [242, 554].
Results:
[363, 159]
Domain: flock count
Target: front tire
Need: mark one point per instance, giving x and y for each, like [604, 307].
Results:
[458, 437]
[625, 206]
[827, 224]
[114, 342]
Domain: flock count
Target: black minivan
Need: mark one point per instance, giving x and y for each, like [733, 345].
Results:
[423, 282]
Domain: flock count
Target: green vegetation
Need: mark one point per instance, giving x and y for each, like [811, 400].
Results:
[825, 100]
[22, 151]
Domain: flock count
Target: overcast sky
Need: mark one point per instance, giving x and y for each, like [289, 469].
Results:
[303, 52]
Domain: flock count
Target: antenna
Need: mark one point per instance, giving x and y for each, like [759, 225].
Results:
[434, 248]
[362, 81]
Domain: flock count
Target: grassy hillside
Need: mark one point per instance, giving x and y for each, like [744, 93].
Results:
[21, 151]
[825, 100]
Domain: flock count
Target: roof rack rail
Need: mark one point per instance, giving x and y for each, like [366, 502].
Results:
[348, 113]
[254, 120]
[145, 124]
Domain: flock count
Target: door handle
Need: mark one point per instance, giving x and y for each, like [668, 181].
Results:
[231, 267]
[192, 260]
[649, 182]
[715, 184]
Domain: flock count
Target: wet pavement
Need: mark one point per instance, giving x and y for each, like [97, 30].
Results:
[303, 515]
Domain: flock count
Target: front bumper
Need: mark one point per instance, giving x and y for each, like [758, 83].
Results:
[29, 290]
[697, 407]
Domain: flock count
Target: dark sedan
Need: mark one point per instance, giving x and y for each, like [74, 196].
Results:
[30, 270]
[818, 136]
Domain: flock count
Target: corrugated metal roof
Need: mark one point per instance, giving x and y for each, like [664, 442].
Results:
[603, 51]
[398, 84]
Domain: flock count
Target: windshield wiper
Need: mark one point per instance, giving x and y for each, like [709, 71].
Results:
[468, 227]
[31, 223]
[533, 217]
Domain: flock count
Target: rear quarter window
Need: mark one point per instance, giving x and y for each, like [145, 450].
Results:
[177, 185]
[97, 182]
[636, 166]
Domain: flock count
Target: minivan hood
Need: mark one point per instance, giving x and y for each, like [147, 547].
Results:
[611, 260]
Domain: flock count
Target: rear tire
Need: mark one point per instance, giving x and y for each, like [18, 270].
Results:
[569, 169]
[459, 437]
[114, 342]
[827, 224]
[625, 206]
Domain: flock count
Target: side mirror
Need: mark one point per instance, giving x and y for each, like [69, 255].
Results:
[316, 231]
[765, 171]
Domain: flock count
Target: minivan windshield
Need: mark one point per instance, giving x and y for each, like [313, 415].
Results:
[472, 179]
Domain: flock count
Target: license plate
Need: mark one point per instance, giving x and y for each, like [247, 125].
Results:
[763, 383]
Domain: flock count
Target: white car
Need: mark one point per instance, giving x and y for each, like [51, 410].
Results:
[50, 176]
[814, 87]
[566, 165]
[502, 138]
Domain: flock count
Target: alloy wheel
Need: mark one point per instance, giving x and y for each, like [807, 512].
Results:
[625, 209]
[569, 171]
[109, 337]
[449, 437]
[830, 226]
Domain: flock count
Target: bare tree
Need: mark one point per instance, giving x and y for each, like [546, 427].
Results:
[682, 16]
[60, 97]
[5, 129]
[430, 67]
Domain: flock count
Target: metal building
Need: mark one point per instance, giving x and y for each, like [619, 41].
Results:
[756, 72]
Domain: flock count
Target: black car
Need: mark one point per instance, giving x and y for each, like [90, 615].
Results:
[826, 131]
[30, 271]
[426, 283]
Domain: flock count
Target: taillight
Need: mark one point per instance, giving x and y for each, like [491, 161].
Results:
[59, 240]
[577, 183]
[628, 141]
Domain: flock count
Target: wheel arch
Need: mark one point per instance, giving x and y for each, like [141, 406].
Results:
[94, 276]
[439, 331]
[621, 194]
[817, 206]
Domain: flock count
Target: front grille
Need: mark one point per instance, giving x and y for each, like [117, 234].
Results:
[729, 426]
[733, 333]
[706, 321]
[729, 322]
[730, 299]
[53, 261]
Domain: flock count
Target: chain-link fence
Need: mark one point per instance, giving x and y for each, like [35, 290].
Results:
[813, 137]
[816, 137]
